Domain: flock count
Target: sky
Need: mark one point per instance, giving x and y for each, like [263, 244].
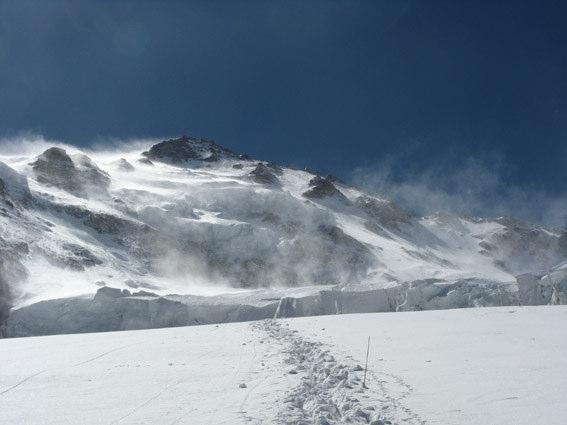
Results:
[386, 93]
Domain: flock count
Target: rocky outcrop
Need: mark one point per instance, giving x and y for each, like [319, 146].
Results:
[138, 238]
[104, 223]
[185, 149]
[78, 257]
[264, 175]
[76, 174]
[322, 188]
[55, 168]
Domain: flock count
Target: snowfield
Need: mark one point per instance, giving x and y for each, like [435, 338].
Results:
[493, 366]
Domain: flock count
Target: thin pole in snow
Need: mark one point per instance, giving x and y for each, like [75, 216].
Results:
[366, 365]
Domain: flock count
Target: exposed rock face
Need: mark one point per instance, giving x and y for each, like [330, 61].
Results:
[263, 175]
[76, 174]
[79, 257]
[334, 179]
[138, 237]
[180, 151]
[55, 168]
[323, 188]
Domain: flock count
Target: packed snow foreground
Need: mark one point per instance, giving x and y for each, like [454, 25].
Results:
[497, 365]
[185, 232]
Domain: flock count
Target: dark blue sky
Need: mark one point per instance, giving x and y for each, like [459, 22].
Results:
[328, 84]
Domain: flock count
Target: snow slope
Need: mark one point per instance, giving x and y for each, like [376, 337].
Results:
[186, 216]
[503, 366]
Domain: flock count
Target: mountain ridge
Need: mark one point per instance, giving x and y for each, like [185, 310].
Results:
[189, 216]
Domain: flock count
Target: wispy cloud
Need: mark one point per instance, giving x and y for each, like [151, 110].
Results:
[458, 184]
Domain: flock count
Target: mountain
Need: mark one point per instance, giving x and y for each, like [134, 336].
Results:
[188, 231]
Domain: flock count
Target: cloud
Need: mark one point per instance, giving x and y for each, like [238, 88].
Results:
[468, 185]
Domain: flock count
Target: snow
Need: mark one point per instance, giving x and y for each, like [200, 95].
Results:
[503, 366]
[471, 366]
[169, 376]
[210, 229]
[15, 184]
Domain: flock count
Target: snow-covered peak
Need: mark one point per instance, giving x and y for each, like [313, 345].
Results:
[189, 216]
[185, 149]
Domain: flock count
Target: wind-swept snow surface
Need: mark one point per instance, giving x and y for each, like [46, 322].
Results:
[505, 366]
[187, 217]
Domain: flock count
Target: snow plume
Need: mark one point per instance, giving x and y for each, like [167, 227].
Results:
[32, 144]
[467, 186]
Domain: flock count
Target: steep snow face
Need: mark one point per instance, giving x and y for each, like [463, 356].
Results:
[188, 216]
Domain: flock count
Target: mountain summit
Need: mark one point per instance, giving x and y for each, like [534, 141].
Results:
[185, 148]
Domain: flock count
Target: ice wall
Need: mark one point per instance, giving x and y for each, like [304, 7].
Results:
[113, 309]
